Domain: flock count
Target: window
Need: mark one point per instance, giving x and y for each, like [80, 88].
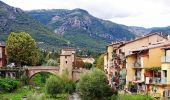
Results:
[120, 50]
[164, 73]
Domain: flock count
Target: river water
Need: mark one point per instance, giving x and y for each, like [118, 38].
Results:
[74, 96]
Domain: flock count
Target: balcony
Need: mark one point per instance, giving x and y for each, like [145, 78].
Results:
[164, 80]
[165, 59]
[155, 80]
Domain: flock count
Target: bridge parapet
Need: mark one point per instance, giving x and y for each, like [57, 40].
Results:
[32, 70]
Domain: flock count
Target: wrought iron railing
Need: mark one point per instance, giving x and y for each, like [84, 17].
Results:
[155, 80]
[163, 80]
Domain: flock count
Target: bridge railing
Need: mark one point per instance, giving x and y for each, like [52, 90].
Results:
[41, 67]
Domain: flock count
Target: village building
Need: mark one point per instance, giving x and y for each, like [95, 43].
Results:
[3, 60]
[142, 64]
[88, 60]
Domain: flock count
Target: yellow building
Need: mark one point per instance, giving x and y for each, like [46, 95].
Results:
[142, 59]
[149, 69]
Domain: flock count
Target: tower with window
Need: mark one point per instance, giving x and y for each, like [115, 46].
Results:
[67, 59]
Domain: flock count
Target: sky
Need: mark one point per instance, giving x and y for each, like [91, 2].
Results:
[144, 13]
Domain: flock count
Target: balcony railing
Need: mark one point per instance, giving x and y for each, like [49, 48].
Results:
[155, 80]
[165, 59]
[163, 80]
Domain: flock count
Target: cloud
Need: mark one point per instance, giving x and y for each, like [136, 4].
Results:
[146, 13]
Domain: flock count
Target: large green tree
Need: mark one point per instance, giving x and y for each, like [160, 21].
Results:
[21, 49]
[93, 86]
[99, 63]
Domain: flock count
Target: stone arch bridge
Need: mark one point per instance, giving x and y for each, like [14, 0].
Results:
[32, 70]
[55, 70]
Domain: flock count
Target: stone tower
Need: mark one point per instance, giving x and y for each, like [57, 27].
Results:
[67, 58]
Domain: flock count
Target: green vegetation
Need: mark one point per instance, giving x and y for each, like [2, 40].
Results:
[16, 20]
[133, 97]
[87, 32]
[99, 62]
[52, 62]
[155, 69]
[24, 80]
[93, 86]
[16, 95]
[54, 86]
[21, 49]
[87, 65]
[8, 84]
[36, 96]
[39, 79]
[69, 85]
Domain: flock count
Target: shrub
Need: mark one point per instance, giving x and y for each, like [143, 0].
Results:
[40, 78]
[134, 97]
[8, 84]
[87, 65]
[93, 86]
[36, 96]
[70, 87]
[24, 80]
[54, 86]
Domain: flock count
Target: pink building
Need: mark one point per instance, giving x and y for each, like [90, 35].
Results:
[3, 60]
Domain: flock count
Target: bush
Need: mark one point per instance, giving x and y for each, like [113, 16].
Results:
[36, 96]
[93, 86]
[114, 97]
[87, 65]
[40, 78]
[8, 84]
[70, 87]
[24, 80]
[134, 97]
[54, 86]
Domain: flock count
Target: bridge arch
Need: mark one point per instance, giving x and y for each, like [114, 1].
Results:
[31, 71]
[37, 72]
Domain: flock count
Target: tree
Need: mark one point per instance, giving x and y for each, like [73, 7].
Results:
[21, 49]
[93, 86]
[99, 62]
[87, 65]
[54, 86]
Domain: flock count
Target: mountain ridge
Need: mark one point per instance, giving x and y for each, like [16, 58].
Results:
[16, 20]
[59, 28]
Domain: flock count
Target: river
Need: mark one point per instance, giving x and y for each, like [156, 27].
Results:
[74, 96]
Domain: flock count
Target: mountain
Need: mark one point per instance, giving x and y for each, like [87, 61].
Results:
[138, 30]
[59, 28]
[163, 30]
[80, 28]
[16, 20]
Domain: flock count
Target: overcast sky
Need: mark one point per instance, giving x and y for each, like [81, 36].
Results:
[145, 13]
